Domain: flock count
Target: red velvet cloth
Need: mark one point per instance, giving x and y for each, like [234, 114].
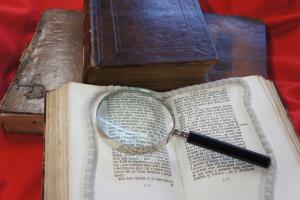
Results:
[21, 156]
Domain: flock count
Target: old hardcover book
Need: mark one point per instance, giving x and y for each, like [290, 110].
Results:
[159, 45]
[53, 57]
[241, 46]
[243, 111]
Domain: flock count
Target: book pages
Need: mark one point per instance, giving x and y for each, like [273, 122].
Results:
[222, 110]
[104, 170]
[240, 111]
[287, 160]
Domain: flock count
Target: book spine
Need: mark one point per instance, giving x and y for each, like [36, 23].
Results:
[86, 38]
[90, 52]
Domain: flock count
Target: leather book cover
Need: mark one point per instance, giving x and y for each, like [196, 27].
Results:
[53, 57]
[159, 45]
[240, 44]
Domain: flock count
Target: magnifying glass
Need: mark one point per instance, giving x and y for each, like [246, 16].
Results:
[138, 121]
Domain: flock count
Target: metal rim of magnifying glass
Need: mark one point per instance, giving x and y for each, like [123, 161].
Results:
[126, 148]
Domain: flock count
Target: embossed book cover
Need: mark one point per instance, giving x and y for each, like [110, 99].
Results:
[159, 45]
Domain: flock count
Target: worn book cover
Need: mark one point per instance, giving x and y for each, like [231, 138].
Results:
[53, 57]
[241, 46]
[158, 45]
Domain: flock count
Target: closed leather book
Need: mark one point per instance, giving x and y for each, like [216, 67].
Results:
[241, 46]
[159, 45]
[54, 57]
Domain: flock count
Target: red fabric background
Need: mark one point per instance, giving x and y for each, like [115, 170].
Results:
[21, 155]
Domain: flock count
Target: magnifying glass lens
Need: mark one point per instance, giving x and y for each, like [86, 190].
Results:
[135, 121]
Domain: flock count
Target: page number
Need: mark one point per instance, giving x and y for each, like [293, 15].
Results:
[225, 179]
[147, 185]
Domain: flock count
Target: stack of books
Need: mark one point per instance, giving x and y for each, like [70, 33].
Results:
[209, 68]
[161, 47]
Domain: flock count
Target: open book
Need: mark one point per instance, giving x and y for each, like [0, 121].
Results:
[243, 111]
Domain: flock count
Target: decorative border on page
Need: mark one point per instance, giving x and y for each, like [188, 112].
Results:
[91, 149]
[91, 153]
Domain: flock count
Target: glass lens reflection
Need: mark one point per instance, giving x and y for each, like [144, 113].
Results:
[135, 118]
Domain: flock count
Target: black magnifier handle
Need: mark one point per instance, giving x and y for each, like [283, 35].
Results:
[227, 149]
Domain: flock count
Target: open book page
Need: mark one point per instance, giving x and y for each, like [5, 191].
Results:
[271, 117]
[261, 122]
[98, 172]
[218, 109]
[281, 114]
